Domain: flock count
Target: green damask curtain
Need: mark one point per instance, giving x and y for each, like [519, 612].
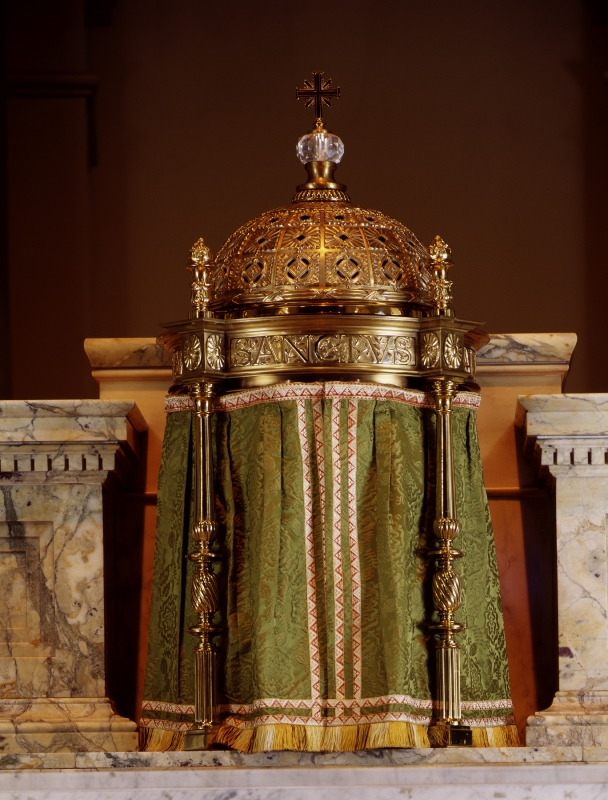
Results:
[325, 500]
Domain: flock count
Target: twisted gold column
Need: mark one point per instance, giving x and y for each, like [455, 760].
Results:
[204, 589]
[447, 729]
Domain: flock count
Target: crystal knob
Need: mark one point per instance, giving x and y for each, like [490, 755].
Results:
[320, 146]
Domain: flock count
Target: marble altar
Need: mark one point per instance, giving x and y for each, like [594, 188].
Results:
[568, 434]
[507, 366]
[567, 745]
[56, 460]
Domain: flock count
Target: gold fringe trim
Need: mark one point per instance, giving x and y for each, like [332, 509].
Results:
[347, 738]
[497, 736]
[321, 739]
[158, 740]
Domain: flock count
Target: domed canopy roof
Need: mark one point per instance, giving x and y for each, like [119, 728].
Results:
[321, 253]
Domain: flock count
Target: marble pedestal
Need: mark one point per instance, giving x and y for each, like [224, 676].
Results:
[569, 435]
[58, 461]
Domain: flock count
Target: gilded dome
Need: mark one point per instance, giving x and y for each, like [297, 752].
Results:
[321, 253]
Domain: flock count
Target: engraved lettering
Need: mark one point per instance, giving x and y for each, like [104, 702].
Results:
[380, 348]
[295, 349]
[271, 350]
[331, 348]
[361, 351]
[328, 348]
[243, 350]
[404, 350]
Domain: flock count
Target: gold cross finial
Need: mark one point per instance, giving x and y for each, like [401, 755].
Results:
[319, 92]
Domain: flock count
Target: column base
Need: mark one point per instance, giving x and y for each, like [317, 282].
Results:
[200, 738]
[574, 718]
[450, 735]
[64, 724]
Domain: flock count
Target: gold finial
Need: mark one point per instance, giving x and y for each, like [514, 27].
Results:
[201, 267]
[440, 287]
[318, 92]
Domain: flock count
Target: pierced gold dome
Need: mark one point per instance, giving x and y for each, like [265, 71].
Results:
[328, 254]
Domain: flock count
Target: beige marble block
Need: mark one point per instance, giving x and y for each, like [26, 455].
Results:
[569, 436]
[57, 459]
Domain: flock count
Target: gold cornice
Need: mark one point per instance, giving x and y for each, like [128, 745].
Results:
[240, 353]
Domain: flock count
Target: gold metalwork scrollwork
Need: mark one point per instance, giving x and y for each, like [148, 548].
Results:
[440, 287]
[201, 266]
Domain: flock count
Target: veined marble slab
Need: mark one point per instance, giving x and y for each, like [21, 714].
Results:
[228, 758]
[563, 415]
[527, 348]
[31, 421]
[587, 781]
[126, 353]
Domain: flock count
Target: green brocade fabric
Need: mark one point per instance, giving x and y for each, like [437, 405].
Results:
[325, 508]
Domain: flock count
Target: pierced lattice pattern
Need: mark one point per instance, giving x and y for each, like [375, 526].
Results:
[330, 251]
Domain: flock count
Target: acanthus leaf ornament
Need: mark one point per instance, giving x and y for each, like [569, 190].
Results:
[440, 287]
[201, 266]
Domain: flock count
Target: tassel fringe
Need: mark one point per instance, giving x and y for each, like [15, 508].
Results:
[497, 736]
[320, 739]
[157, 740]
[348, 738]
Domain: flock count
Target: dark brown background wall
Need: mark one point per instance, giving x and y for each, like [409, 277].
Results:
[134, 127]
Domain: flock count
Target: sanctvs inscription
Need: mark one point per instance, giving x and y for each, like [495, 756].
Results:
[328, 348]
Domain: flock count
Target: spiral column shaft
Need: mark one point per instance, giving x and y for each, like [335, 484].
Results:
[446, 729]
[204, 588]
